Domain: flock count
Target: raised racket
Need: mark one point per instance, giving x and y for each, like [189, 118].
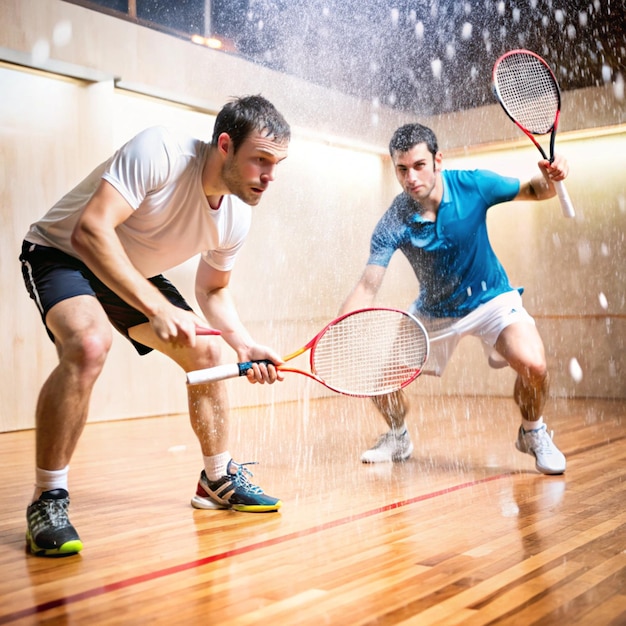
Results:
[369, 352]
[526, 88]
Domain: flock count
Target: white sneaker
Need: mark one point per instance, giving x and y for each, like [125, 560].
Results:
[538, 442]
[389, 447]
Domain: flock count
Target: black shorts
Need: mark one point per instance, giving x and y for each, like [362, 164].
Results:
[51, 276]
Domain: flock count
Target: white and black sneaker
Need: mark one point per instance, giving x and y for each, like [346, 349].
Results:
[538, 442]
[49, 532]
[390, 447]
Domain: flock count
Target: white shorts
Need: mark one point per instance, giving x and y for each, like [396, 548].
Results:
[486, 323]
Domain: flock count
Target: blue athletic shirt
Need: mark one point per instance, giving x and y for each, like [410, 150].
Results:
[452, 258]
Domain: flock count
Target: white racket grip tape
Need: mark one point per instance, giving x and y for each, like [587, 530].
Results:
[566, 203]
[213, 374]
[221, 372]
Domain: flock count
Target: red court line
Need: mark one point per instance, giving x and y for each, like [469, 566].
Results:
[169, 571]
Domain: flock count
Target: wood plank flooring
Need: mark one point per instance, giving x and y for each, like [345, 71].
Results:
[465, 532]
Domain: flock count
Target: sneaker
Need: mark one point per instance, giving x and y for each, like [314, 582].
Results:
[538, 442]
[49, 532]
[389, 447]
[233, 491]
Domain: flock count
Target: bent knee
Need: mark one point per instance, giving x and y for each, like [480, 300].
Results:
[535, 369]
[207, 353]
[87, 349]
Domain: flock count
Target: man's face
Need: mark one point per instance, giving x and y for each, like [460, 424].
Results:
[417, 171]
[248, 172]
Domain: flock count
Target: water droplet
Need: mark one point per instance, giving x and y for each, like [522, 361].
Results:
[612, 368]
[618, 87]
[436, 67]
[62, 33]
[575, 371]
[40, 52]
[585, 253]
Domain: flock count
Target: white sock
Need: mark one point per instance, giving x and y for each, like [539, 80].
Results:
[215, 466]
[528, 425]
[47, 480]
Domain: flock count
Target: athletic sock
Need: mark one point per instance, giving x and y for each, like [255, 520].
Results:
[47, 480]
[531, 425]
[215, 466]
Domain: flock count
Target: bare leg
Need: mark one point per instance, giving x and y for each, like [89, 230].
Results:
[521, 345]
[209, 416]
[394, 445]
[208, 404]
[208, 413]
[393, 407]
[530, 395]
[60, 415]
[83, 338]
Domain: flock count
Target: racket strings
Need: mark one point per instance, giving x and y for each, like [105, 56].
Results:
[528, 90]
[370, 353]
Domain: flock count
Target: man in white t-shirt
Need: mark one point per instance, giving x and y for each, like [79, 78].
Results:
[96, 259]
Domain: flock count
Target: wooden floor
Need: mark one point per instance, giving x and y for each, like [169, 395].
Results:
[466, 532]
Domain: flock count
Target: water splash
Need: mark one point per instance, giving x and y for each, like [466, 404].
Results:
[432, 56]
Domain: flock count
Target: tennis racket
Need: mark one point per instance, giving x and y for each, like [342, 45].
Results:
[369, 352]
[527, 89]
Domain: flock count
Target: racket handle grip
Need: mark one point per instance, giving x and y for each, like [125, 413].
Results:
[564, 199]
[221, 372]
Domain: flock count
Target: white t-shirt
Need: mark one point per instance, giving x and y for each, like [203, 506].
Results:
[159, 173]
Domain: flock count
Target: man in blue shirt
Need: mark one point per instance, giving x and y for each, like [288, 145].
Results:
[439, 222]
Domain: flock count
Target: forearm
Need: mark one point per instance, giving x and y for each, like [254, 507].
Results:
[364, 293]
[219, 309]
[359, 298]
[105, 256]
[542, 187]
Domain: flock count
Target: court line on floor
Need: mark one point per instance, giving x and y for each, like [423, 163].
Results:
[221, 556]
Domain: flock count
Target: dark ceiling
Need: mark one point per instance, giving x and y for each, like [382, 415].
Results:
[423, 56]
